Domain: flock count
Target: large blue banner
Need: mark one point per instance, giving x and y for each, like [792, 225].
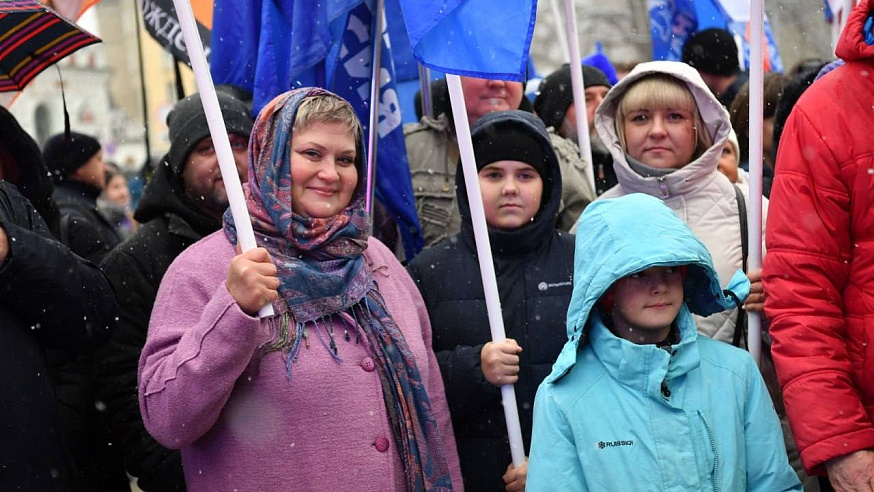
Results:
[351, 79]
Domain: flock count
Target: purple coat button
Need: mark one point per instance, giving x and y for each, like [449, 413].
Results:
[367, 364]
[381, 444]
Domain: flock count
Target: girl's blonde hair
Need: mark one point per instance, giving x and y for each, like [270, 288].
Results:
[661, 91]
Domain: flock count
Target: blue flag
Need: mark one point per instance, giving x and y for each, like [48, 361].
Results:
[287, 44]
[485, 39]
[270, 46]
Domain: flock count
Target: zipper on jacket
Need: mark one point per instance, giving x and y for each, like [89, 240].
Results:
[663, 187]
[715, 454]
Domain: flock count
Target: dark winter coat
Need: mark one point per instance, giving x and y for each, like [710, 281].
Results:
[169, 223]
[78, 203]
[534, 268]
[50, 299]
[70, 372]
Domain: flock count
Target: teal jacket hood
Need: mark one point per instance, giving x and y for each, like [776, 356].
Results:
[619, 237]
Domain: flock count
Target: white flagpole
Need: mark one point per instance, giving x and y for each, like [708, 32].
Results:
[754, 211]
[484, 252]
[573, 44]
[218, 131]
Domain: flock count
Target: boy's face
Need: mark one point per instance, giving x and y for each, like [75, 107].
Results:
[511, 192]
[646, 303]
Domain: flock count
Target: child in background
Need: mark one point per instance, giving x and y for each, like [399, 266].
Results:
[114, 201]
[637, 400]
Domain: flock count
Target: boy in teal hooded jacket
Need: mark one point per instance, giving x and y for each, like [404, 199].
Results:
[637, 400]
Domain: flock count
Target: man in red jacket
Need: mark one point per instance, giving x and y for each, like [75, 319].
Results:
[819, 271]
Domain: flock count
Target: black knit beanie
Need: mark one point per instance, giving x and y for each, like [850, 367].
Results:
[510, 142]
[712, 51]
[64, 154]
[556, 93]
[188, 125]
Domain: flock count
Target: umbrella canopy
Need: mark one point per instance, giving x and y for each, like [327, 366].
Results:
[32, 38]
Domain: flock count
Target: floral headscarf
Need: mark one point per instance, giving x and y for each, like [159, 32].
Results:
[320, 261]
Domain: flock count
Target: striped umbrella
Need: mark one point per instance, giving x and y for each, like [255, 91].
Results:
[32, 38]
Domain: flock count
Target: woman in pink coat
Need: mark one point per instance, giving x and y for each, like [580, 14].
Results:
[339, 390]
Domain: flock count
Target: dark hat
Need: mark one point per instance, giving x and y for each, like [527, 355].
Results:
[63, 154]
[439, 100]
[556, 93]
[509, 142]
[712, 51]
[188, 125]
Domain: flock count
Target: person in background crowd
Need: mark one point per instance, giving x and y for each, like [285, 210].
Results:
[713, 53]
[819, 272]
[21, 164]
[554, 104]
[739, 114]
[638, 400]
[432, 151]
[728, 161]
[800, 78]
[340, 386]
[114, 201]
[42, 315]
[181, 204]
[75, 161]
[520, 181]
[69, 371]
[38, 311]
[623, 68]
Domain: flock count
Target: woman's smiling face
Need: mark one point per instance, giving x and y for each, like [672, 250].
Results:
[323, 172]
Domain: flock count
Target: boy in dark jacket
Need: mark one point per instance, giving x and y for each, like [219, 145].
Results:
[520, 179]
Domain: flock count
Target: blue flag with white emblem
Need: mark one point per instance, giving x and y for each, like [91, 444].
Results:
[351, 79]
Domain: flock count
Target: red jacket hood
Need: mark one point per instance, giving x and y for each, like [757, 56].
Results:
[851, 45]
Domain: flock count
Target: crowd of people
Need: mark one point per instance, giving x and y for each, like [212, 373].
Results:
[135, 355]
